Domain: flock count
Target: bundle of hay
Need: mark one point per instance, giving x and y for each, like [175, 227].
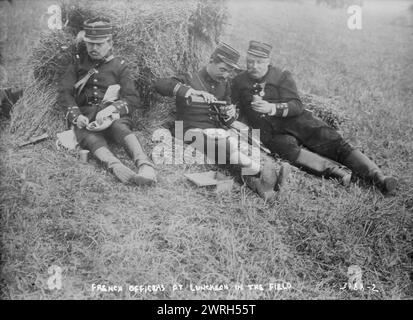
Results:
[36, 111]
[157, 38]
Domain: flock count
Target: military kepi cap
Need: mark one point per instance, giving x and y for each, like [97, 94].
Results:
[227, 54]
[259, 49]
[97, 30]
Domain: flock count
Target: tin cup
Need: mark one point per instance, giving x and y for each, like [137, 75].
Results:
[256, 98]
[84, 155]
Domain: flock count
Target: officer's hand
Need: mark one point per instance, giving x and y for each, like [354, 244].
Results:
[230, 111]
[206, 95]
[262, 106]
[105, 113]
[82, 121]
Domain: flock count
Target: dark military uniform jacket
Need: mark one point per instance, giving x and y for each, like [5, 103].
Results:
[277, 87]
[195, 117]
[109, 71]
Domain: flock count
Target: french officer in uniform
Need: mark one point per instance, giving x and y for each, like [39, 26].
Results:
[210, 84]
[268, 99]
[83, 92]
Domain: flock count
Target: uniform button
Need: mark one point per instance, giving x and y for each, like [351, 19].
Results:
[95, 88]
[95, 93]
[212, 87]
[95, 80]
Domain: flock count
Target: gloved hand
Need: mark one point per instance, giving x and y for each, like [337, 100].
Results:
[109, 111]
[82, 121]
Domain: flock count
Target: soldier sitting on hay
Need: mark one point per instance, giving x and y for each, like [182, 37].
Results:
[197, 96]
[99, 95]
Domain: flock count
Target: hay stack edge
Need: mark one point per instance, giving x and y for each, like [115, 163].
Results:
[157, 38]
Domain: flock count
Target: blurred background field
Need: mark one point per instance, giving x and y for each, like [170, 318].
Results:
[56, 211]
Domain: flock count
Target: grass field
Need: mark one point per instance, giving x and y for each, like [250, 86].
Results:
[56, 211]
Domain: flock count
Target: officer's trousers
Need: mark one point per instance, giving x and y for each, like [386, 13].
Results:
[94, 140]
[285, 136]
[226, 147]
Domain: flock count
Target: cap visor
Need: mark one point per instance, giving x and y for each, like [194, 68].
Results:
[258, 54]
[230, 63]
[95, 40]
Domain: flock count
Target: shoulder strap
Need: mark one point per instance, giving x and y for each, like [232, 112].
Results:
[82, 82]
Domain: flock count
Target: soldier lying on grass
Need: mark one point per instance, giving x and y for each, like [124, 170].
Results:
[268, 99]
[95, 118]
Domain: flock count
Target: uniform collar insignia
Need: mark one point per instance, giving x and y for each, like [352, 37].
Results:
[109, 58]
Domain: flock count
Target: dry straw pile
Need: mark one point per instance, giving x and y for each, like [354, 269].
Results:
[158, 38]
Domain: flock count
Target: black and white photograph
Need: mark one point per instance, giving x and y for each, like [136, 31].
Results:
[206, 150]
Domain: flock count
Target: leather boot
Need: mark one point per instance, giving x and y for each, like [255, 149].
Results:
[323, 167]
[113, 164]
[267, 181]
[367, 169]
[146, 172]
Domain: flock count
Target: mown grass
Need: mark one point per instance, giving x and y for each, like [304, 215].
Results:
[58, 211]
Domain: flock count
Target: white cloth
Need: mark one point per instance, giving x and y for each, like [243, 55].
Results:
[67, 139]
